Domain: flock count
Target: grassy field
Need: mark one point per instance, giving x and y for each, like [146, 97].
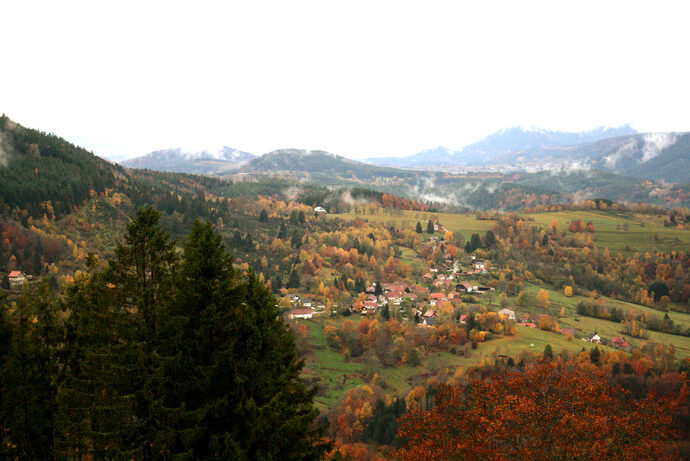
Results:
[621, 230]
[605, 328]
[337, 375]
[468, 224]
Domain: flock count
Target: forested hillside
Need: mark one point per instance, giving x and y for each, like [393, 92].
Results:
[42, 173]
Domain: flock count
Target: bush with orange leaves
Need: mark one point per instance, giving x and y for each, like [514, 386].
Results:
[550, 411]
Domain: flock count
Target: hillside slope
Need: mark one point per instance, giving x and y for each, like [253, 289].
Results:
[177, 161]
[41, 171]
[320, 163]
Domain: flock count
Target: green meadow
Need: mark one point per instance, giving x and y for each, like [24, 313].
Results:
[468, 224]
[621, 231]
[336, 374]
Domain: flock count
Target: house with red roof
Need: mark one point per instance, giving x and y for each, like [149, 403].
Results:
[437, 298]
[528, 325]
[429, 318]
[17, 278]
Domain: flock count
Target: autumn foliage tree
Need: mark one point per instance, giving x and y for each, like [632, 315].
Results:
[550, 411]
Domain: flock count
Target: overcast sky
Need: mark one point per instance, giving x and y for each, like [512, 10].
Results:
[358, 79]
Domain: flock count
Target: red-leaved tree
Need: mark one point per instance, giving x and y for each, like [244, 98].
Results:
[548, 412]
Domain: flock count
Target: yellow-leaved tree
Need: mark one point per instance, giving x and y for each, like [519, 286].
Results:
[543, 298]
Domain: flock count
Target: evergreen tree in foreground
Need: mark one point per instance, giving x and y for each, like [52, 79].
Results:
[242, 396]
[180, 358]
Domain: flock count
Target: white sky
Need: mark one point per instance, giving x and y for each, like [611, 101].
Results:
[358, 79]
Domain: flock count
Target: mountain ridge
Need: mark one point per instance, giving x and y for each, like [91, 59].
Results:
[500, 142]
[196, 162]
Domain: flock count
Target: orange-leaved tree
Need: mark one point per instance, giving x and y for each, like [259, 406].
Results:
[550, 411]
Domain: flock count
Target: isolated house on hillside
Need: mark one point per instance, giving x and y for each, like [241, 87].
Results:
[320, 210]
[508, 313]
[465, 287]
[17, 278]
[301, 314]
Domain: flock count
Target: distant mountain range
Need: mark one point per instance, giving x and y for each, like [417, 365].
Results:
[656, 156]
[203, 162]
[502, 142]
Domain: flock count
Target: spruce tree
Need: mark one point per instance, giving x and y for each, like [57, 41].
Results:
[430, 227]
[419, 228]
[282, 233]
[301, 217]
[112, 403]
[385, 312]
[263, 216]
[28, 365]
[296, 240]
[242, 392]
[293, 280]
[277, 284]
[475, 242]
[489, 239]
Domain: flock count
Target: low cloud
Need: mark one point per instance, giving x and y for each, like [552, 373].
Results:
[573, 167]
[292, 192]
[5, 150]
[626, 150]
[491, 188]
[654, 143]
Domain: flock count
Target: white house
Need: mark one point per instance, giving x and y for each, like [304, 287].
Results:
[508, 313]
[301, 314]
[320, 210]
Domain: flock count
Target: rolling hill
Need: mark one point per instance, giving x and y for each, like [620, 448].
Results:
[41, 172]
[203, 162]
[318, 162]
